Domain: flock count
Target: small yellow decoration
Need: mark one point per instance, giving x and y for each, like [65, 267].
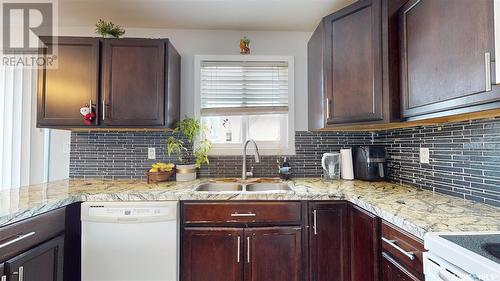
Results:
[161, 167]
[245, 46]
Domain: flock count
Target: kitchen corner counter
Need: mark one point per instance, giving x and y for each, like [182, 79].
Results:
[414, 210]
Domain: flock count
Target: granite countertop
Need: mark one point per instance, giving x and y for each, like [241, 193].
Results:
[414, 210]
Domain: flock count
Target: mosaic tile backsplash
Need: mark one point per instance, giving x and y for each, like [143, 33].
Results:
[124, 154]
[464, 156]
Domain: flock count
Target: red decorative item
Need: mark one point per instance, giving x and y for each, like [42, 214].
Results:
[88, 115]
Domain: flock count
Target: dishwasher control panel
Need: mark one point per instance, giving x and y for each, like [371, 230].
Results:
[128, 211]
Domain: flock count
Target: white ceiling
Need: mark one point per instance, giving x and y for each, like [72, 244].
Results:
[275, 15]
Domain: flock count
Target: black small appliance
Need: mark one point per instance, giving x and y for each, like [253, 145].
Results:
[369, 162]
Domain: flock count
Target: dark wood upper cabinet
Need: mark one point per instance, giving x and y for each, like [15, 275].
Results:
[132, 83]
[328, 241]
[212, 254]
[446, 54]
[70, 83]
[172, 86]
[352, 65]
[364, 245]
[3, 277]
[44, 262]
[354, 85]
[273, 253]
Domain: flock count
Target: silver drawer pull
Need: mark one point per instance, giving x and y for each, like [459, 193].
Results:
[248, 249]
[18, 238]
[21, 273]
[409, 255]
[328, 109]
[243, 215]
[315, 223]
[487, 71]
[103, 109]
[238, 254]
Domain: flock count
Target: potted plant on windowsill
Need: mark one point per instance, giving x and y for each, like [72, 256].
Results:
[191, 156]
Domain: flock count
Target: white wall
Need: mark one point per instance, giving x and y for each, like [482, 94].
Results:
[190, 43]
[222, 42]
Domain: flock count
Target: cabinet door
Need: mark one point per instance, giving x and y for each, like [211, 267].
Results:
[328, 241]
[273, 253]
[212, 254]
[364, 245]
[71, 83]
[133, 82]
[42, 263]
[444, 55]
[354, 67]
[393, 271]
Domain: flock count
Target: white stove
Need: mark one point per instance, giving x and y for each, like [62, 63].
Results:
[462, 256]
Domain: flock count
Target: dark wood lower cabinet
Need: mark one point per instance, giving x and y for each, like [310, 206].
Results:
[41, 263]
[266, 253]
[211, 254]
[364, 234]
[393, 271]
[328, 241]
[325, 241]
[273, 253]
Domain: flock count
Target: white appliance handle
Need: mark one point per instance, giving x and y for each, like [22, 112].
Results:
[323, 160]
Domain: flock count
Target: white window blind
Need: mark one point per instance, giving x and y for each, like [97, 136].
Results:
[243, 88]
[16, 105]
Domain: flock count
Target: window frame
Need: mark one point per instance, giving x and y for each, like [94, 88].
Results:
[235, 149]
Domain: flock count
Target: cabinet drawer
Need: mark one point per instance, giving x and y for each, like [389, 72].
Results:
[21, 236]
[403, 247]
[242, 212]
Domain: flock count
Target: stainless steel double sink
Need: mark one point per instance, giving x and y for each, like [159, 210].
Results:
[241, 187]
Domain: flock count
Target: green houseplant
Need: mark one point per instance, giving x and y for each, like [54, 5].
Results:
[109, 29]
[191, 156]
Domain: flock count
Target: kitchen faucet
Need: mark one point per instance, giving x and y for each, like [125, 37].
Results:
[244, 172]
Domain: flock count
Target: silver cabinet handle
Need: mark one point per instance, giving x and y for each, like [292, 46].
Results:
[21, 273]
[238, 254]
[248, 249]
[487, 70]
[243, 215]
[327, 108]
[18, 238]
[103, 109]
[409, 255]
[315, 221]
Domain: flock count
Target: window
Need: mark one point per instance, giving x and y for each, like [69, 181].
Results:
[239, 98]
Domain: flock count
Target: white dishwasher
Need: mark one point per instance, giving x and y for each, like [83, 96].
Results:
[130, 241]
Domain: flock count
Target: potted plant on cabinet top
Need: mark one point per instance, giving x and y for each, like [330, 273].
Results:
[190, 156]
[108, 29]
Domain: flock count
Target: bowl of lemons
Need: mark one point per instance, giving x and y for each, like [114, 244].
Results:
[160, 172]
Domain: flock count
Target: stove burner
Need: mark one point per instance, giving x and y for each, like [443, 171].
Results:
[493, 249]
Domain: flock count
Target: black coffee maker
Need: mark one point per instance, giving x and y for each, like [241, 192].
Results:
[369, 162]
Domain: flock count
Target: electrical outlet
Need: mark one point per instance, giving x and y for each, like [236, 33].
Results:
[424, 155]
[151, 153]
